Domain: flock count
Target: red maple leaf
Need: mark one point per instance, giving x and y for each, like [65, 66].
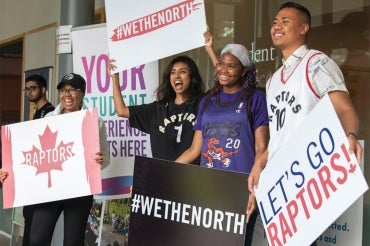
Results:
[352, 168]
[49, 157]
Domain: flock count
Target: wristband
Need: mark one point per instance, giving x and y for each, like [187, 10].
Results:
[351, 133]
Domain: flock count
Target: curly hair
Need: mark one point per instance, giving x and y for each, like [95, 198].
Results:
[165, 91]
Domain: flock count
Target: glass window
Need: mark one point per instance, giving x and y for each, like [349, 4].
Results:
[340, 29]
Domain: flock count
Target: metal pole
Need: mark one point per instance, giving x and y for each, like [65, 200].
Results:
[75, 13]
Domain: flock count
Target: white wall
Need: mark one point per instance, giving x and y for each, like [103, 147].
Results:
[19, 16]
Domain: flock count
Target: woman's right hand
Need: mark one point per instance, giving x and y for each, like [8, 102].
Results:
[208, 38]
[120, 106]
[111, 67]
[3, 175]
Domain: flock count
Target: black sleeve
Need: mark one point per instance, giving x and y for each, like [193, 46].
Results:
[143, 117]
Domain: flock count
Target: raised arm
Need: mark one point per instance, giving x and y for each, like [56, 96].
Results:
[208, 37]
[120, 106]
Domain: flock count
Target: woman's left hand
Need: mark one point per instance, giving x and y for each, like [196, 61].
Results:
[3, 175]
[99, 157]
[252, 205]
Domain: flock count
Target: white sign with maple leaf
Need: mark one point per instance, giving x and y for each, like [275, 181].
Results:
[51, 158]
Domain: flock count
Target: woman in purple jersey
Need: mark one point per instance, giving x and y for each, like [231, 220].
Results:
[170, 119]
[231, 129]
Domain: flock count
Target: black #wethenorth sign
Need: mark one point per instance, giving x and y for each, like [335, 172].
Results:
[178, 204]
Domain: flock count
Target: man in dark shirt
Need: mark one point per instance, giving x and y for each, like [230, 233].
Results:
[35, 89]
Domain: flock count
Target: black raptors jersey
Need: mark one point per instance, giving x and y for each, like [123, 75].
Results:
[170, 126]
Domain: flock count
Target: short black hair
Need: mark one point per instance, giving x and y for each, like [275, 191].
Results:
[39, 79]
[306, 13]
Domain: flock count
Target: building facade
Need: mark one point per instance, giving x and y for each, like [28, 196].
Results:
[340, 28]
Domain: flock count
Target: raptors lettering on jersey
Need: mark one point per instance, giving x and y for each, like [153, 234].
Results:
[283, 102]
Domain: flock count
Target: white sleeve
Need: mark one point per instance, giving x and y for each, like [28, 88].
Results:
[325, 75]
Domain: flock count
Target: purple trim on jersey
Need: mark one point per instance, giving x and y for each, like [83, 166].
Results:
[259, 108]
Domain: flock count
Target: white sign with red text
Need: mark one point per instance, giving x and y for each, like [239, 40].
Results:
[310, 182]
[46, 159]
[143, 31]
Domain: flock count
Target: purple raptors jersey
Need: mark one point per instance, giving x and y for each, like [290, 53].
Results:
[228, 138]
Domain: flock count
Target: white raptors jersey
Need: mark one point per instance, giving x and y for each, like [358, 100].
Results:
[291, 98]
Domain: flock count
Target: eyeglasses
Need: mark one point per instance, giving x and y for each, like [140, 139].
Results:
[71, 91]
[31, 88]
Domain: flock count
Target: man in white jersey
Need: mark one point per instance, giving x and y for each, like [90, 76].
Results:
[297, 86]
[305, 77]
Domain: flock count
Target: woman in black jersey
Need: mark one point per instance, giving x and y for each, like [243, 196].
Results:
[170, 119]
